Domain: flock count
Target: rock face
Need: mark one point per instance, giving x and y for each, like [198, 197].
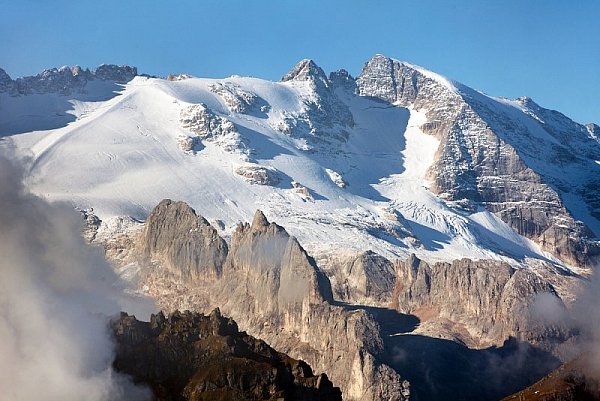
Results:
[189, 356]
[280, 278]
[183, 242]
[594, 131]
[274, 290]
[6, 83]
[208, 126]
[325, 118]
[367, 279]
[65, 80]
[259, 175]
[237, 99]
[489, 300]
[307, 70]
[486, 153]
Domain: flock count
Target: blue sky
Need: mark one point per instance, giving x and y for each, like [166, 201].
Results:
[546, 49]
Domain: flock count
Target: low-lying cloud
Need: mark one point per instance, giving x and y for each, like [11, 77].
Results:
[56, 294]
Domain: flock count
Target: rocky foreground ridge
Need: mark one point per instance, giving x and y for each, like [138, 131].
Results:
[577, 380]
[192, 357]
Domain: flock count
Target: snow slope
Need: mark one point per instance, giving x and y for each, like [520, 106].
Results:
[118, 153]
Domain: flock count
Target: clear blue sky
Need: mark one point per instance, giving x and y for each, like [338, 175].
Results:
[546, 49]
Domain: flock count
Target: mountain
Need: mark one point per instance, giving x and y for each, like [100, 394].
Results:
[415, 164]
[426, 223]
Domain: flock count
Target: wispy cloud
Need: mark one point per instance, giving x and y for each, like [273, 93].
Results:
[56, 293]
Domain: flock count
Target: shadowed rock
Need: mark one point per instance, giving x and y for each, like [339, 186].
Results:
[192, 357]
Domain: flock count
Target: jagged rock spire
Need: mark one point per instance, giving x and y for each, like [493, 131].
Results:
[306, 70]
[6, 82]
[260, 220]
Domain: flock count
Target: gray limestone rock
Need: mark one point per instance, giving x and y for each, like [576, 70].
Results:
[486, 155]
[116, 73]
[594, 131]
[184, 242]
[307, 70]
[237, 99]
[6, 83]
[65, 80]
[325, 118]
[208, 126]
[259, 175]
[274, 290]
[342, 79]
[367, 279]
[489, 299]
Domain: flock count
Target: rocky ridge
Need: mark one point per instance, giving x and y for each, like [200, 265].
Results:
[206, 125]
[189, 356]
[274, 289]
[481, 302]
[325, 119]
[576, 380]
[267, 282]
[65, 80]
[483, 160]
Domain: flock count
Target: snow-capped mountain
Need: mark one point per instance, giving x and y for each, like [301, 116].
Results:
[399, 160]
[437, 215]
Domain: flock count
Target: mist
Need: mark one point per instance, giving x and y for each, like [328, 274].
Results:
[586, 317]
[56, 296]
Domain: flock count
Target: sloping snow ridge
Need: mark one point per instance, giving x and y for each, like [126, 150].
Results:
[344, 186]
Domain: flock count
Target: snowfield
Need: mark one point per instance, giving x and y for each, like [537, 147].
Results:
[119, 152]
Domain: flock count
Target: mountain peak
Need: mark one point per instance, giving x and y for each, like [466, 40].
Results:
[5, 81]
[306, 70]
[342, 79]
[260, 220]
[594, 131]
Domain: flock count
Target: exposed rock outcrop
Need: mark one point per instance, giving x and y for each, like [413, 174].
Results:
[237, 99]
[325, 117]
[594, 131]
[366, 279]
[111, 72]
[6, 83]
[483, 157]
[488, 300]
[65, 80]
[208, 126]
[275, 291]
[307, 70]
[259, 175]
[183, 242]
[189, 356]
[342, 79]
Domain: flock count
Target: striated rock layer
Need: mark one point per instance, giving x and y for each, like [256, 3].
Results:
[189, 356]
[483, 302]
